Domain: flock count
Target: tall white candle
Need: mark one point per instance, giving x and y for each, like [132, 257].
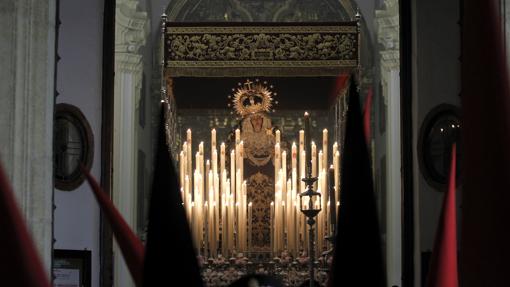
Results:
[314, 162]
[215, 229]
[207, 238]
[232, 173]
[336, 166]
[250, 225]
[208, 182]
[271, 229]
[307, 143]
[241, 160]
[222, 166]
[284, 175]
[289, 218]
[201, 162]
[237, 136]
[189, 153]
[224, 226]
[213, 139]
[325, 147]
[194, 226]
[302, 159]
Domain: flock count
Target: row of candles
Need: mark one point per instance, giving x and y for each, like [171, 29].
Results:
[215, 196]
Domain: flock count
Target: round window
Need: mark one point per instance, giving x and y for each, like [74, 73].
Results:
[441, 128]
[73, 145]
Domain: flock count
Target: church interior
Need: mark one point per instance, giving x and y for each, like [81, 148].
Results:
[297, 130]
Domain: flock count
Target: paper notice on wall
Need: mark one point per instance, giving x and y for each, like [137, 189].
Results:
[66, 277]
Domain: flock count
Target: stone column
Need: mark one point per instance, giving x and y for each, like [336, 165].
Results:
[131, 28]
[27, 57]
[387, 22]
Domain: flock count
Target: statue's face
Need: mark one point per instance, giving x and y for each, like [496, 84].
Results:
[256, 122]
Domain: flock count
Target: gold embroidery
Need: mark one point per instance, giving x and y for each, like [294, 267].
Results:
[262, 46]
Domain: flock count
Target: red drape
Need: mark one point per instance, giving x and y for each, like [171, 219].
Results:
[443, 268]
[20, 264]
[130, 245]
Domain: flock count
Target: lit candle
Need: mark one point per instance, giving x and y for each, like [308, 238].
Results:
[231, 222]
[188, 136]
[241, 160]
[189, 153]
[187, 196]
[237, 226]
[208, 240]
[284, 175]
[238, 136]
[320, 216]
[332, 198]
[336, 165]
[181, 168]
[283, 217]
[325, 147]
[196, 185]
[297, 232]
[314, 162]
[214, 221]
[277, 163]
[185, 153]
[337, 209]
[208, 181]
[289, 217]
[222, 157]
[294, 168]
[302, 159]
[271, 229]
[320, 162]
[325, 199]
[232, 173]
[214, 160]
[224, 226]
[213, 139]
[194, 227]
[250, 227]
[277, 136]
[307, 145]
[244, 218]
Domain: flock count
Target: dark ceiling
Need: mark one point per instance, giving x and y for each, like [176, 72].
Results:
[313, 93]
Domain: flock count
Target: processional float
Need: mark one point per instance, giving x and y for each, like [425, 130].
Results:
[253, 194]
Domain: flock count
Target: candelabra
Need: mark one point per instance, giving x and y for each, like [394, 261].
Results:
[310, 209]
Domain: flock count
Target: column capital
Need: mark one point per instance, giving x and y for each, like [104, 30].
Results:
[131, 27]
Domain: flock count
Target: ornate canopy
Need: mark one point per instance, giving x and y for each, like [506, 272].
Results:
[260, 49]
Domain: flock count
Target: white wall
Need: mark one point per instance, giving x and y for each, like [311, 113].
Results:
[436, 80]
[79, 83]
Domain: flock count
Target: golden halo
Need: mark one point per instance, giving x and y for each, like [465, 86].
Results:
[252, 97]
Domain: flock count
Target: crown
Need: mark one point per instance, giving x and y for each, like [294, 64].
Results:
[252, 97]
